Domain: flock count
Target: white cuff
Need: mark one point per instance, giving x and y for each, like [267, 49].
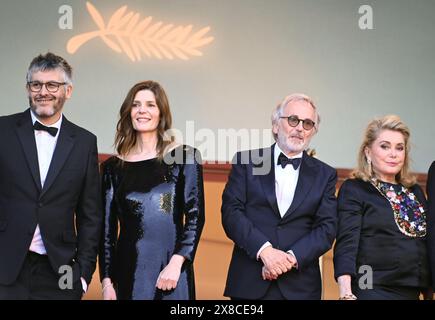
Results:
[84, 285]
[264, 246]
[293, 254]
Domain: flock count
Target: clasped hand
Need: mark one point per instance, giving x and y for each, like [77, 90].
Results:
[276, 262]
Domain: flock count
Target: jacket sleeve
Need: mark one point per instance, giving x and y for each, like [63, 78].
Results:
[235, 222]
[313, 245]
[88, 216]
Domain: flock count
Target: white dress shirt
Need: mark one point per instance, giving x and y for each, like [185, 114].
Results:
[286, 180]
[45, 145]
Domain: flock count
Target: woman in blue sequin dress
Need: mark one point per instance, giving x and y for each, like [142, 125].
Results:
[154, 193]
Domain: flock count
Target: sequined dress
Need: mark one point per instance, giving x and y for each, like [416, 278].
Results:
[159, 208]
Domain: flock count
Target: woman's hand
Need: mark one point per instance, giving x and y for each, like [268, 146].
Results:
[168, 277]
[108, 289]
[344, 286]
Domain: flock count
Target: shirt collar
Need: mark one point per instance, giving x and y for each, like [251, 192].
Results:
[277, 152]
[57, 124]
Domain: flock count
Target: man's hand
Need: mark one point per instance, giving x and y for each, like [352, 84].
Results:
[276, 262]
[265, 273]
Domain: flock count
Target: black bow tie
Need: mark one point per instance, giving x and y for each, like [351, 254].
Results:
[283, 161]
[39, 126]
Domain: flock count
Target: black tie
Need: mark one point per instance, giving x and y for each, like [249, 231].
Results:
[283, 161]
[39, 126]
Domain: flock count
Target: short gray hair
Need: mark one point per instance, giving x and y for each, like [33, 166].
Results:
[278, 111]
[48, 62]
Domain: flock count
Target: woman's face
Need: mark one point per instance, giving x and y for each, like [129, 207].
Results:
[387, 154]
[145, 114]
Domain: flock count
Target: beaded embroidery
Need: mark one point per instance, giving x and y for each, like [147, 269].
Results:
[409, 213]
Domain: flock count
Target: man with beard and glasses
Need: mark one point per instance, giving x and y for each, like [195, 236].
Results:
[50, 212]
[279, 208]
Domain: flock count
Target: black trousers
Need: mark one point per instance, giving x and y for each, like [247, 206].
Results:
[38, 281]
[273, 293]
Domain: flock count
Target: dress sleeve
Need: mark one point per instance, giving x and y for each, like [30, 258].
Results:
[350, 212]
[110, 222]
[193, 207]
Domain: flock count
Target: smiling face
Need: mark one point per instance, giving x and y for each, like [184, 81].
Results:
[387, 154]
[46, 105]
[293, 140]
[145, 114]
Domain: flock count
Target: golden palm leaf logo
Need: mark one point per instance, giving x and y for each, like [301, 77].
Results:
[126, 33]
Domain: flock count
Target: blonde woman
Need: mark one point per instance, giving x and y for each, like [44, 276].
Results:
[380, 251]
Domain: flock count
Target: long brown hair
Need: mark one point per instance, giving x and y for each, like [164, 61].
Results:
[126, 138]
[364, 170]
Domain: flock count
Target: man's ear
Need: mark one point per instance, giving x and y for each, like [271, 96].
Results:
[68, 91]
[275, 128]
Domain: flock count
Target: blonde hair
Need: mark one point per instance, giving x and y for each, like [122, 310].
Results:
[389, 122]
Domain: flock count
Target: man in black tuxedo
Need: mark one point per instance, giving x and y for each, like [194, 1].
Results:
[279, 208]
[50, 212]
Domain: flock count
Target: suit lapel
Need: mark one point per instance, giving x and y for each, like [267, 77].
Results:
[27, 138]
[268, 180]
[307, 174]
[63, 148]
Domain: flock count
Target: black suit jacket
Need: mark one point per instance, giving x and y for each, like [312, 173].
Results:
[67, 209]
[431, 220]
[250, 217]
[368, 235]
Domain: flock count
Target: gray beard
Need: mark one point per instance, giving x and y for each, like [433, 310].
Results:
[289, 148]
[57, 107]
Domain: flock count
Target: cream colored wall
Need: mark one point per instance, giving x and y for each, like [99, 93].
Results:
[263, 50]
[214, 252]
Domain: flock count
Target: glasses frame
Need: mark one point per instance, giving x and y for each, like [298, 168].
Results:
[59, 84]
[304, 122]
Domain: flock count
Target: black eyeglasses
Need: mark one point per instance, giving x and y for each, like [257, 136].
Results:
[293, 121]
[51, 86]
